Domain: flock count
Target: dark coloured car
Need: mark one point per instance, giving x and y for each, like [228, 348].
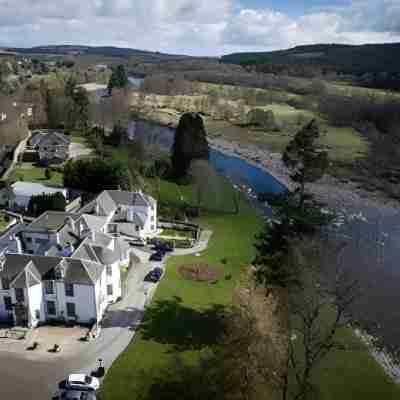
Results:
[154, 275]
[157, 256]
[164, 247]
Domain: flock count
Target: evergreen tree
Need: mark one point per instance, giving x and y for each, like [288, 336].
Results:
[190, 144]
[304, 159]
[118, 79]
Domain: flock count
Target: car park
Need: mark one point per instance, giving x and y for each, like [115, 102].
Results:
[82, 382]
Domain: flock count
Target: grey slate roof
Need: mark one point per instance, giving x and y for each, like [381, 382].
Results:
[50, 138]
[109, 200]
[51, 220]
[76, 271]
[95, 223]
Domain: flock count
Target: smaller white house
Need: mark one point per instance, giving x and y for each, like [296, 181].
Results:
[19, 194]
[132, 214]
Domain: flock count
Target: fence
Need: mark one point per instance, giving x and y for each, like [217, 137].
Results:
[180, 225]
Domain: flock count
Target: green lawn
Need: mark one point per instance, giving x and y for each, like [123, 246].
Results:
[31, 173]
[178, 322]
[218, 195]
[181, 320]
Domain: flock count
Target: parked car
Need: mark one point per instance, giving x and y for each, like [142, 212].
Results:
[77, 395]
[82, 382]
[157, 256]
[154, 275]
[164, 247]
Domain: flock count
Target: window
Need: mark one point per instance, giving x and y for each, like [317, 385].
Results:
[71, 309]
[5, 283]
[152, 218]
[19, 295]
[109, 290]
[29, 240]
[49, 287]
[137, 227]
[37, 314]
[109, 270]
[8, 303]
[51, 307]
[69, 289]
[152, 227]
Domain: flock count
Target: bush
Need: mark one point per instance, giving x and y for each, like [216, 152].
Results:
[48, 173]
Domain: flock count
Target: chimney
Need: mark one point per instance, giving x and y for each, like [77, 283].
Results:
[97, 208]
[17, 242]
[18, 245]
[71, 223]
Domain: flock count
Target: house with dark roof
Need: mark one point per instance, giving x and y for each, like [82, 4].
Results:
[51, 146]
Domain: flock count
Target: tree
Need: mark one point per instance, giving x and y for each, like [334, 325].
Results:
[97, 175]
[190, 144]
[307, 162]
[48, 173]
[319, 309]
[118, 79]
[81, 102]
[46, 202]
[70, 87]
[117, 136]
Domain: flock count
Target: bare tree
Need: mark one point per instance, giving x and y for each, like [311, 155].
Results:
[319, 312]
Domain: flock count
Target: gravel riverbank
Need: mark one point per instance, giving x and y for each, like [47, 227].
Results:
[330, 190]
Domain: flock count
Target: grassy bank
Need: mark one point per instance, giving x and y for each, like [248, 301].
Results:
[180, 321]
[349, 374]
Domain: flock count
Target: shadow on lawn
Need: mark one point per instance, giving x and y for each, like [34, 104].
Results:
[171, 322]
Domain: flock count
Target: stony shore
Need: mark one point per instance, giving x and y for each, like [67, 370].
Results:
[335, 193]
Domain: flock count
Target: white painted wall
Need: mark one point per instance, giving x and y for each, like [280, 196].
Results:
[84, 300]
[35, 300]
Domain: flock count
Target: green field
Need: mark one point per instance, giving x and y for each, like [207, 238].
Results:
[28, 172]
[181, 320]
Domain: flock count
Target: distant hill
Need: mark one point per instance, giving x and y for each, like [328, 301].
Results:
[342, 59]
[107, 51]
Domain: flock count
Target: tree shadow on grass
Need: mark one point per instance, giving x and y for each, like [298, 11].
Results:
[171, 322]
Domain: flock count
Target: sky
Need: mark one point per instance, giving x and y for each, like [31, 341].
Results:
[198, 27]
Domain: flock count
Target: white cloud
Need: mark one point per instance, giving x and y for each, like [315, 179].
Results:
[199, 27]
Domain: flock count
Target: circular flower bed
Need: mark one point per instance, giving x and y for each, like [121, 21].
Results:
[198, 272]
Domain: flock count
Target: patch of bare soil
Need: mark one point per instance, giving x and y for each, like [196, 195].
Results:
[198, 272]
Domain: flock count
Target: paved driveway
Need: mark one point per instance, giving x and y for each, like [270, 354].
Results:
[28, 375]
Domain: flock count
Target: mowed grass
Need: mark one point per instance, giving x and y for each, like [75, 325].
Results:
[28, 172]
[183, 324]
[216, 195]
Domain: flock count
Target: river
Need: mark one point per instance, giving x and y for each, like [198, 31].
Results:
[372, 236]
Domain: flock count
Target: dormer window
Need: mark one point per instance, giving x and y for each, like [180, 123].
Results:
[59, 273]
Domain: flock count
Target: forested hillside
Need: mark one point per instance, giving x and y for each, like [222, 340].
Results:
[380, 61]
